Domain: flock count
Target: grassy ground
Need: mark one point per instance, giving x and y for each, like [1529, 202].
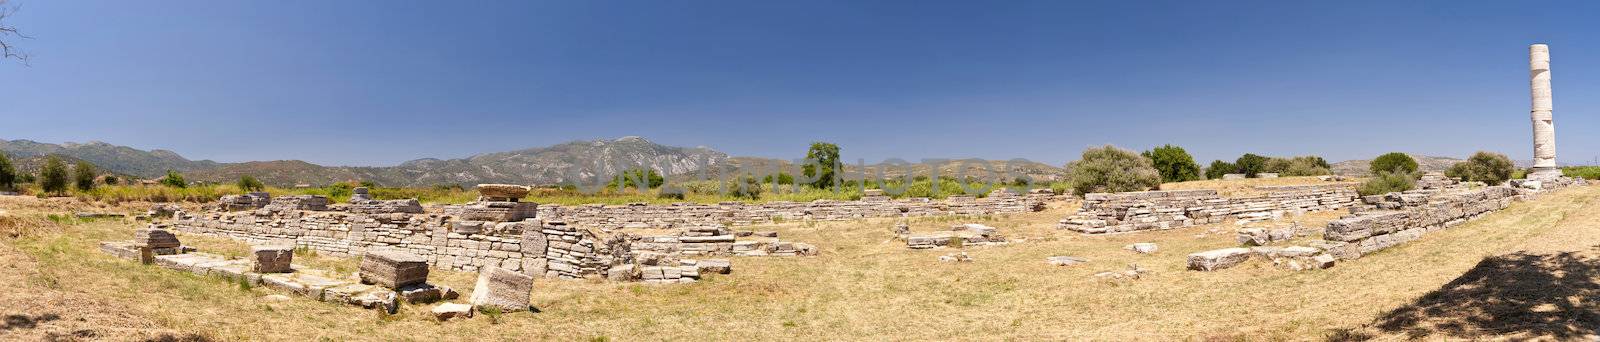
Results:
[866, 285]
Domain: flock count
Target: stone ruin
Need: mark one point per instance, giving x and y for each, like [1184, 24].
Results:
[362, 202]
[970, 234]
[385, 277]
[873, 204]
[1167, 209]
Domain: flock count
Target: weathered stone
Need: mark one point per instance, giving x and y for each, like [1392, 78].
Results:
[1323, 261]
[272, 258]
[1064, 260]
[1141, 248]
[393, 269]
[1218, 259]
[506, 191]
[718, 266]
[504, 289]
[426, 293]
[156, 238]
[448, 311]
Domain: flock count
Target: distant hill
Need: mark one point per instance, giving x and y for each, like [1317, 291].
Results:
[119, 159]
[542, 165]
[1360, 167]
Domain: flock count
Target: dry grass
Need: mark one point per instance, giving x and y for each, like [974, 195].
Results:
[1242, 187]
[867, 286]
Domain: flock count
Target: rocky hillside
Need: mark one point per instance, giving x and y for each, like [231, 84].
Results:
[1359, 168]
[119, 159]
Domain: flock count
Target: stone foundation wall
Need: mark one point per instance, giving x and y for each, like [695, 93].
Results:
[1145, 210]
[736, 213]
[1413, 215]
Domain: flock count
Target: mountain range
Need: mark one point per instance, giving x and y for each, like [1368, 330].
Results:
[577, 160]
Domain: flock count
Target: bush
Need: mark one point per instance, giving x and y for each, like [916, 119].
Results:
[1298, 166]
[1394, 162]
[1387, 182]
[1219, 168]
[83, 175]
[112, 180]
[53, 176]
[1487, 167]
[1174, 164]
[174, 179]
[1250, 164]
[744, 187]
[250, 183]
[1111, 169]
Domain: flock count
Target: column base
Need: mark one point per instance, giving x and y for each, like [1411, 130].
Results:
[1544, 173]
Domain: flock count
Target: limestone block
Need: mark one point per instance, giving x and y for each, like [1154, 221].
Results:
[504, 289]
[393, 269]
[1141, 248]
[506, 191]
[448, 311]
[1218, 259]
[156, 238]
[718, 266]
[272, 258]
[1064, 260]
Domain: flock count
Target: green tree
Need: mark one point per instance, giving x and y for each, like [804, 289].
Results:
[8, 173]
[1395, 162]
[249, 183]
[1219, 168]
[1250, 164]
[1111, 169]
[826, 166]
[83, 175]
[1298, 166]
[633, 178]
[174, 179]
[53, 176]
[112, 180]
[1487, 167]
[1174, 164]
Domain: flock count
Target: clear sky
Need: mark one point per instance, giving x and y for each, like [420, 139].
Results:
[380, 82]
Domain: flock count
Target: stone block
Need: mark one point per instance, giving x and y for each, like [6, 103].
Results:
[393, 269]
[272, 258]
[156, 238]
[1218, 259]
[718, 266]
[504, 289]
[448, 311]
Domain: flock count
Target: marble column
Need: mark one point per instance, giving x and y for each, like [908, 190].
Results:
[1544, 129]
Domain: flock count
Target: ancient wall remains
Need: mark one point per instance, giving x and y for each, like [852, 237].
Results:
[738, 213]
[1145, 210]
[1403, 217]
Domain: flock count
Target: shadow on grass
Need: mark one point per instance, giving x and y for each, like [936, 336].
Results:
[1547, 295]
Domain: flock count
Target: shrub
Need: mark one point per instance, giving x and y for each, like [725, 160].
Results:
[1219, 168]
[53, 176]
[1393, 162]
[111, 180]
[8, 173]
[633, 177]
[250, 183]
[1298, 166]
[675, 194]
[744, 187]
[825, 170]
[1250, 164]
[1487, 167]
[83, 175]
[1387, 182]
[1111, 169]
[1174, 164]
[174, 179]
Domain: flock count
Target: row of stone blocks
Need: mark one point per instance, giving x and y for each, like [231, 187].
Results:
[384, 278]
[1353, 236]
[1166, 209]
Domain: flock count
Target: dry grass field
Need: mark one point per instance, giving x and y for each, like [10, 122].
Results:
[1523, 272]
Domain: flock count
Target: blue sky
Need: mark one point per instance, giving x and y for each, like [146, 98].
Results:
[378, 82]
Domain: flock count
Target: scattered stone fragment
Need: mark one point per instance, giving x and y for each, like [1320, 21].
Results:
[1134, 272]
[426, 293]
[957, 257]
[1253, 237]
[1218, 259]
[1064, 260]
[275, 298]
[497, 287]
[393, 269]
[1323, 261]
[1141, 248]
[447, 311]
